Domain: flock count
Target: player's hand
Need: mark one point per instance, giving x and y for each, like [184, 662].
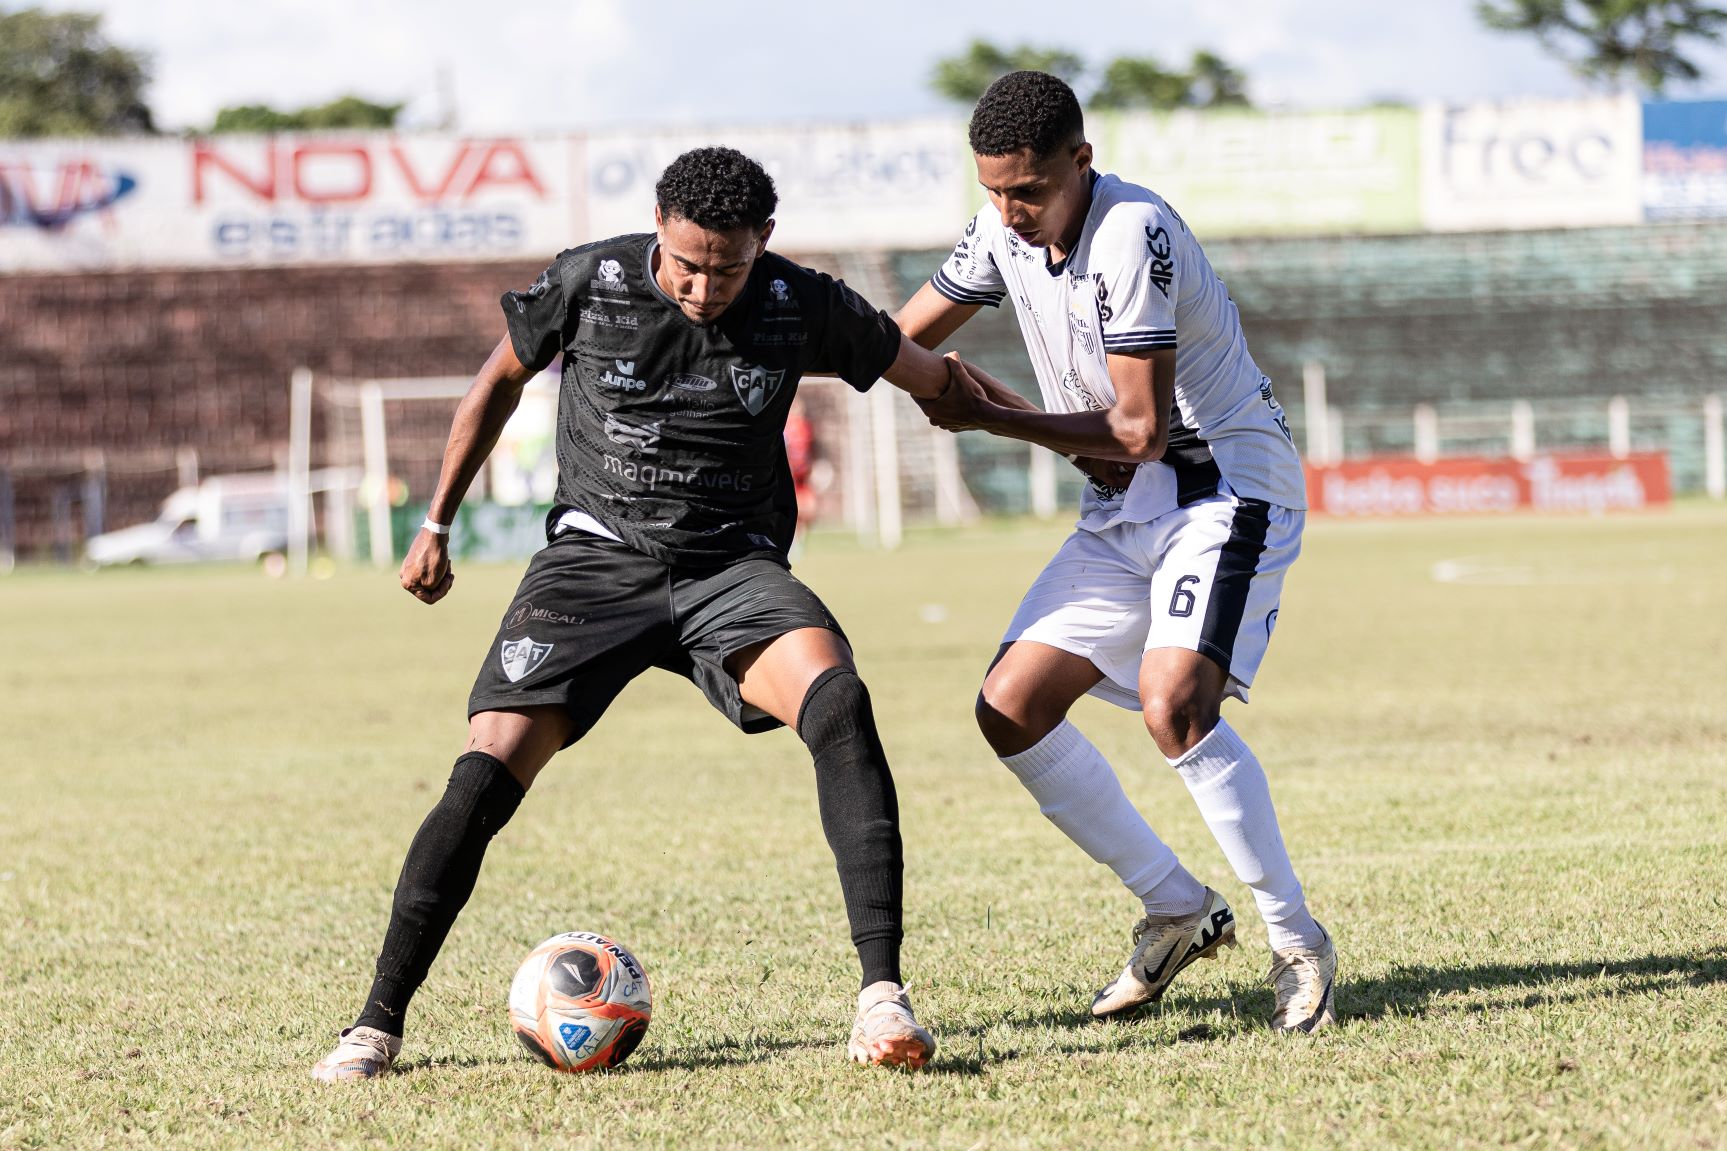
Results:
[1106, 473]
[963, 406]
[426, 573]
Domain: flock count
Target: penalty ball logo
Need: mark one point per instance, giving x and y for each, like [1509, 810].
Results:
[521, 656]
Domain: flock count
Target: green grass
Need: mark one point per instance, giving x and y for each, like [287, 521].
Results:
[1505, 794]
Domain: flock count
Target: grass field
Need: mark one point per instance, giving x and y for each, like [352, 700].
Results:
[1499, 750]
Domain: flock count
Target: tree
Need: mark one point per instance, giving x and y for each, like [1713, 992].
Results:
[59, 76]
[343, 112]
[963, 78]
[1610, 41]
[1125, 82]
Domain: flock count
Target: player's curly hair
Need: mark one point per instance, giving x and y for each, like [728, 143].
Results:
[1027, 110]
[719, 189]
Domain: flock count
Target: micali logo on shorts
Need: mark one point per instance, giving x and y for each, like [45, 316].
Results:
[624, 379]
[528, 613]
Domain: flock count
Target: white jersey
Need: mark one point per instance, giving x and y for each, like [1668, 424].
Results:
[1137, 280]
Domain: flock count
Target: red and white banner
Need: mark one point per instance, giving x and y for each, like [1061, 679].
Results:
[349, 197]
[1400, 486]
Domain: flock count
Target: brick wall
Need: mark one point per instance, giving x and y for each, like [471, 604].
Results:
[138, 365]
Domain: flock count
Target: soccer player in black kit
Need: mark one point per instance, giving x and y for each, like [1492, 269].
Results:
[682, 349]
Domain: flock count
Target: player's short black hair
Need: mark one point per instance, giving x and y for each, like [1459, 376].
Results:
[1027, 110]
[719, 189]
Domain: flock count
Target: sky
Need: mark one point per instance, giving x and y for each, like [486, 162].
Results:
[593, 63]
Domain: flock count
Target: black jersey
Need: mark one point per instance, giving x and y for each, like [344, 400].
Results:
[671, 433]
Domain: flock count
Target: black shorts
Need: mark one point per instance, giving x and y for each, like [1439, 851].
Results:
[592, 614]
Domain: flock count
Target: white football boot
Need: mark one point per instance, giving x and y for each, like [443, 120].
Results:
[885, 1031]
[1162, 948]
[363, 1053]
[1303, 978]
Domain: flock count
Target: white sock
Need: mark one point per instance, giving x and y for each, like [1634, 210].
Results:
[1229, 786]
[1079, 793]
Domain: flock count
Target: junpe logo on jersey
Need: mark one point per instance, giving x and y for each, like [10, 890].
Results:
[1162, 269]
[756, 387]
[644, 438]
[624, 379]
[610, 278]
[521, 656]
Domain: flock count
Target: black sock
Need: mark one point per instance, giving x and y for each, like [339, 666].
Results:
[437, 878]
[860, 815]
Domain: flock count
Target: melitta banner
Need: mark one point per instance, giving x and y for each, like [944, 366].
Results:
[1246, 174]
[1685, 160]
[238, 200]
[1399, 486]
[864, 186]
[1533, 164]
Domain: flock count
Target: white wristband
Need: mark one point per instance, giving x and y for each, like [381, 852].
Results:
[435, 527]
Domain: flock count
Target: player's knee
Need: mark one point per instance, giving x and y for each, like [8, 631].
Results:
[1012, 720]
[1178, 717]
[836, 706]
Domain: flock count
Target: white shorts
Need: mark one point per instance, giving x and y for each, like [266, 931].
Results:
[1206, 577]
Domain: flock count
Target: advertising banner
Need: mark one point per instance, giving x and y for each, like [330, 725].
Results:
[889, 185]
[1401, 486]
[249, 200]
[1685, 160]
[1534, 164]
[1250, 174]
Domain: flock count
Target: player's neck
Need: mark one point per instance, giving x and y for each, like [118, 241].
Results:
[1059, 249]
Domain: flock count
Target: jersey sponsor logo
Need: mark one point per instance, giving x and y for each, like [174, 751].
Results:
[782, 294]
[1276, 408]
[624, 379]
[1070, 383]
[521, 657]
[690, 383]
[609, 277]
[1161, 270]
[607, 319]
[756, 386]
[1105, 313]
[644, 438]
[1082, 332]
[652, 477]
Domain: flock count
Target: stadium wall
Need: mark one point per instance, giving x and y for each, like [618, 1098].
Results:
[140, 365]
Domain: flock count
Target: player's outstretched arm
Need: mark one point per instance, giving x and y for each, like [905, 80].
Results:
[1135, 430]
[480, 419]
[918, 371]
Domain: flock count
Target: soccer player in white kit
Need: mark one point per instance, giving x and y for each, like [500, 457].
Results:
[1164, 597]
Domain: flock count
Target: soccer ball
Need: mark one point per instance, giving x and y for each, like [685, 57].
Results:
[580, 1002]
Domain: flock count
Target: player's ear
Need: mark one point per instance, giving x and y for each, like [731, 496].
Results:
[659, 220]
[1082, 157]
[762, 240]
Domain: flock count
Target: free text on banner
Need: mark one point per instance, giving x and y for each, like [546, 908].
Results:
[1400, 486]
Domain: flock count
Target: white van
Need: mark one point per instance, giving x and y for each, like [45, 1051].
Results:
[241, 517]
